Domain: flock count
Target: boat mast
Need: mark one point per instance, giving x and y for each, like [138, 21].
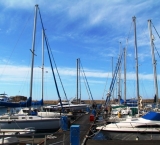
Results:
[79, 82]
[42, 64]
[136, 59]
[33, 49]
[77, 78]
[124, 74]
[112, 78]
[153, 60]
[119, 78]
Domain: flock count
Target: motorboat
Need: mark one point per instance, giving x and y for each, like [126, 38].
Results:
[144, 128]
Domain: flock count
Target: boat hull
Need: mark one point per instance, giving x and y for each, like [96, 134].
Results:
[49, 124]
[113, 135]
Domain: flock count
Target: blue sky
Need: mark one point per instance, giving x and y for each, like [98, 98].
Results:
[85, 29]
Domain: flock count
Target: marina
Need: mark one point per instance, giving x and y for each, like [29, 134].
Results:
[113, 99]
[84, 133]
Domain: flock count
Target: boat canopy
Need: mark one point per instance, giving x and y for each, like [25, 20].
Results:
[154, 116]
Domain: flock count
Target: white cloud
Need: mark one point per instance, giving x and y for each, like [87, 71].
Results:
[17, 73]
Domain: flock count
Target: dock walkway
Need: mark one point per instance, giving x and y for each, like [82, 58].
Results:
[63, 137]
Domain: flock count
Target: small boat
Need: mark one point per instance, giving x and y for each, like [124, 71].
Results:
[4, 99]
[145, 128]
[72, 107]
[9, 136]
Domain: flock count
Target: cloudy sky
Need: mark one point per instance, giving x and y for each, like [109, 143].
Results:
[94, 31]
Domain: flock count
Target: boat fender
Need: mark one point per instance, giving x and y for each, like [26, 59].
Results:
[119, 114]
[137, 138]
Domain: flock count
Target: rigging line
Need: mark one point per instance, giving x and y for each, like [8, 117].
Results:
[15, 45]
[50, 60]
[53, 71]
[105, 87]
[156, 50]
[85, 85]
[129, 33]
[57, 71]
[87, 82]
[155, 30]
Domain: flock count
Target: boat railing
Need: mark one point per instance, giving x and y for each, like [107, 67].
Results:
[132, 125]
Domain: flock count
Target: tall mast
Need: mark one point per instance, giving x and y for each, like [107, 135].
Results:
[79, 82]
[77, 78]
[119, 77]
[42, 63]
[124, 74]
[136, 59]
[33, 49]
[112, 76]
[153, 60]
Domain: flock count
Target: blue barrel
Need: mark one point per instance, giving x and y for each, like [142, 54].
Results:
[87, 109]
[64, 123]
[75, 135]
[94, 112]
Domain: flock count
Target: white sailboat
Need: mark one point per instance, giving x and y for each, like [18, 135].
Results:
[24, 121]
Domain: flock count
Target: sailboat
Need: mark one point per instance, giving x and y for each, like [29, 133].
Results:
[78, 106]
[24, 121]
[146, 127]
[68, 105]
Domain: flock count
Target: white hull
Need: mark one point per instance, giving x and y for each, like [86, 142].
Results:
[53, 114]
[131, 136]
[145, 128]
[74, 107]
[130, 129]
[39, 123]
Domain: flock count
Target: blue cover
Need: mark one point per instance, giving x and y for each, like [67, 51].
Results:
[155, 116]
[38, 103]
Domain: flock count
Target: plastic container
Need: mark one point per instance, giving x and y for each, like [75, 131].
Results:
[91, 118]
